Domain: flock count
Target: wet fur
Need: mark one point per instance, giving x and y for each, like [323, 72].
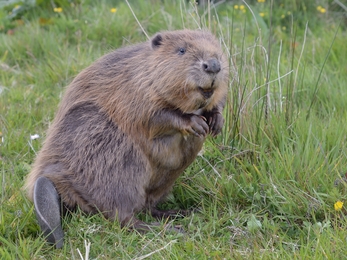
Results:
[129, 124]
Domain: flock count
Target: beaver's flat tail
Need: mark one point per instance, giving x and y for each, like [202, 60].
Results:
[47, 209]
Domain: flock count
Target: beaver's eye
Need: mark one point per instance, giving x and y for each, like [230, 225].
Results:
[181, 51]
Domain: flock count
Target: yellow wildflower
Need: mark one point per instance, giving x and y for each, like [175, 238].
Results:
[236, 7]
[338, 205]
[113, 10]
[321, 9]
[262, 14]
[261, 1]
[283, 16]
[57, 9]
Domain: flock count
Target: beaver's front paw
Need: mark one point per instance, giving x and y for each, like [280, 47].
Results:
[215, 122]
[195, 125]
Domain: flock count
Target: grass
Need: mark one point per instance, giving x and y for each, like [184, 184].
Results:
[265, 188]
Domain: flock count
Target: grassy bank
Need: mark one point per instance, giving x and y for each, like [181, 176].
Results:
[265, 188]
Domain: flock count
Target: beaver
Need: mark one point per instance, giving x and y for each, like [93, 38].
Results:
[127, 126]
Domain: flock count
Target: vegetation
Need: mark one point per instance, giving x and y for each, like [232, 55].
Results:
[271, 186]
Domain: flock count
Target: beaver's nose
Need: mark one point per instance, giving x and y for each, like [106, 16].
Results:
[211, 66]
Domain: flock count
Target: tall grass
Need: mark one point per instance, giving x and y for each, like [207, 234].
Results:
[265, 188]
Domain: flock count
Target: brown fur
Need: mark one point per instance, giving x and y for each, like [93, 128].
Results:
[130, 123]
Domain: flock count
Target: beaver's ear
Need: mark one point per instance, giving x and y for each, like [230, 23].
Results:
[157, 40]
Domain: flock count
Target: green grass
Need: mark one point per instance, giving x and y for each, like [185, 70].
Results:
[265, 188]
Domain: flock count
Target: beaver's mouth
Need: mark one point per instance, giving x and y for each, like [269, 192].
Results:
[206, 92]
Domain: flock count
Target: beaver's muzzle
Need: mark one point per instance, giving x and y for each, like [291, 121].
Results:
[211, 66]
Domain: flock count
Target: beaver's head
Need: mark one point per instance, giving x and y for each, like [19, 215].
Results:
[192, 71]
